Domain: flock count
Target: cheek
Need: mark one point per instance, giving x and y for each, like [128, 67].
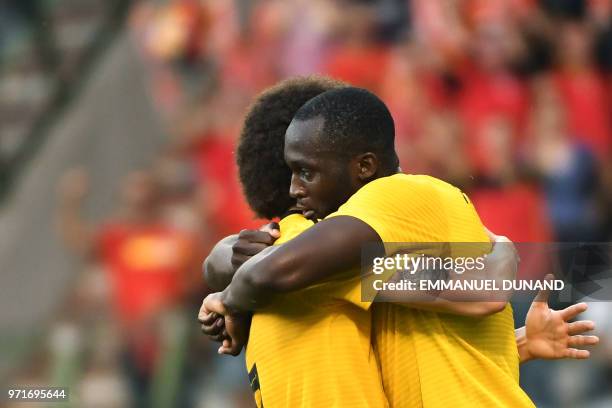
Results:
[318, 189]
[331, 192]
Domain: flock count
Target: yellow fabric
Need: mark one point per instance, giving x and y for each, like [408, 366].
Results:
[312, 348]
[433, 359]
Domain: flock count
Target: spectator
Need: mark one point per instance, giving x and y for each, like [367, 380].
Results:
[583, 90]
[148, 263]
[569, 172]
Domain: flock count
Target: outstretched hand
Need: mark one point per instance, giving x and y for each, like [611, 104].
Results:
[549, 333]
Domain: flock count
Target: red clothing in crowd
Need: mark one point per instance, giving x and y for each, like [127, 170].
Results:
[484, 97]
[359, 66]
[518, 212]
[216, 167]
[588, 109]
[147, 266]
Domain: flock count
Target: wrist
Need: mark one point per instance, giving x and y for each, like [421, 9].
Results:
[226, 299]
[522, 345]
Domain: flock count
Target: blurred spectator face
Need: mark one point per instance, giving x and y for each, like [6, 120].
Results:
[549, 122]
[497, 136]
[439, 149]
[356, 24]
[175, 175]
[489, 46]
[574, 45]
[544, 91]
[140, 191]
[600, 10]
[550, 136]
[439, 138]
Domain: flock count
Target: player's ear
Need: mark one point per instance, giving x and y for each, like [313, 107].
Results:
[367, 166]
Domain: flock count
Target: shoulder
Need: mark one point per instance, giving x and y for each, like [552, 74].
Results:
[401, 188]
[291, 226]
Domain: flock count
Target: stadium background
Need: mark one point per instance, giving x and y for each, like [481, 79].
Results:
[121, 108]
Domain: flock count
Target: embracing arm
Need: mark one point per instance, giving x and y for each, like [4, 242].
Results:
[501, 264]
[329, 247]
[218, 268]
[231, 252]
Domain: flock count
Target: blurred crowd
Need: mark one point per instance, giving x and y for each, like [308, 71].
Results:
[511, 100]
[46, 47]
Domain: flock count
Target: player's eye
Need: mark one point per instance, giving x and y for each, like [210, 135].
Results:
[306, 175]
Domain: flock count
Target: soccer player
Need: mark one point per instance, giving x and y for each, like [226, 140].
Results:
[301, 370]
[288, 363]
[474, 359]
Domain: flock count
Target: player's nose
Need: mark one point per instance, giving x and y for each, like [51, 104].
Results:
[296, 189]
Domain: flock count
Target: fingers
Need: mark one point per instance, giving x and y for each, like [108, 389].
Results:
[577, 354]
[580, 340]
[213, 329]
[574, 310]
[219, 337]
[237, 327]
[252, 242]
[230, 347]
[239, 259]
[580, 327]
[249, 248]
[255, 236]
[271, 228]
[203, 313]
[207, 318]
[249, 243]
[213, 303]
[543, 294]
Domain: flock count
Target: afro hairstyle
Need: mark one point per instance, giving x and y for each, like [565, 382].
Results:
[263, 173]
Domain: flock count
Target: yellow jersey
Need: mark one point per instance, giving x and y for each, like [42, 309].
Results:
[433, 359]
[312, 348]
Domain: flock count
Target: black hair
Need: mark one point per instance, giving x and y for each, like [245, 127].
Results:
[355, 121]
[263, 173]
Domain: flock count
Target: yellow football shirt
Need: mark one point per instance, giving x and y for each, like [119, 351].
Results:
[433, 359]
[312, 348]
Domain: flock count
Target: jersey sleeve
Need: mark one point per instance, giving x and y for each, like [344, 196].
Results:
[400, 208]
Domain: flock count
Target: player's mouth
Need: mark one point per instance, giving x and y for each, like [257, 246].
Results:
[306, 212]
[309, 214]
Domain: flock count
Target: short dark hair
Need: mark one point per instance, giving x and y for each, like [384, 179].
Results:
[263, 173]
[355, 121]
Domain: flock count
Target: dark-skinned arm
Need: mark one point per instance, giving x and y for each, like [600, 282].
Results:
[501, 264]
[218, 268]
[331, 246]
[231, 252]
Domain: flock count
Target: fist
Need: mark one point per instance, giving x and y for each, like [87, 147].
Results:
[252, 242]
